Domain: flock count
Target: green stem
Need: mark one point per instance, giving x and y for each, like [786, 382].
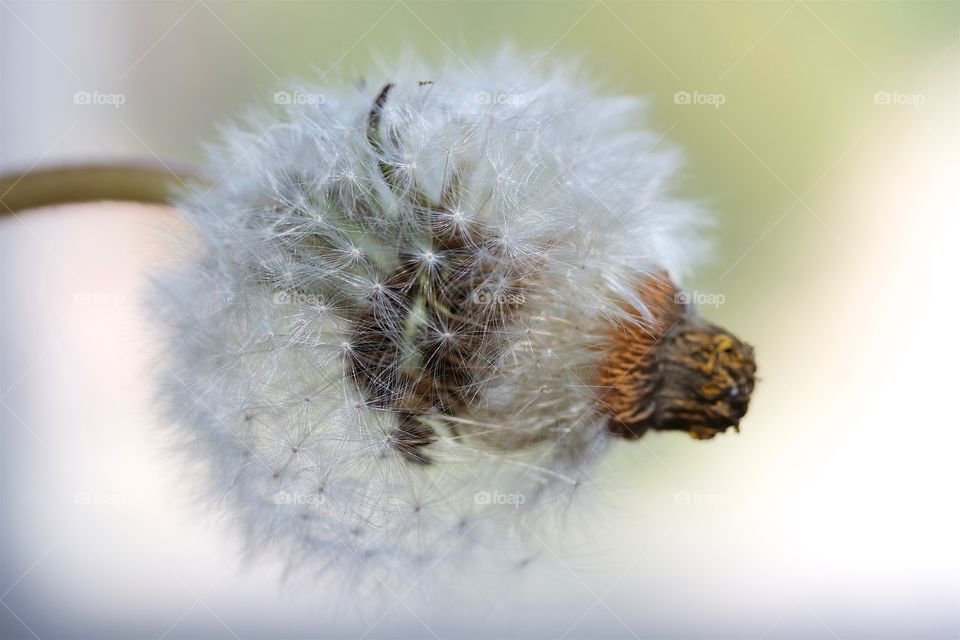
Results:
[132, 181]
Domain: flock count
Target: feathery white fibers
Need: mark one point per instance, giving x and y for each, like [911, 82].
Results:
[560, 205]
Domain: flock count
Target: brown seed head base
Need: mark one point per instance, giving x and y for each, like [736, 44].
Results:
[672, 370]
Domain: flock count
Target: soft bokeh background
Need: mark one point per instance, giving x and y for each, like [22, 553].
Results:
[833, 514]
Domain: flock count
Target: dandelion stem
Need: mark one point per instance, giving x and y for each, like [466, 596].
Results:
[140, 180]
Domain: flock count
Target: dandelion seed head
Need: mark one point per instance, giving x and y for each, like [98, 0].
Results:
[384, 353]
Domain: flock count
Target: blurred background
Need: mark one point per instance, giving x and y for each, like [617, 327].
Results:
[824, 136]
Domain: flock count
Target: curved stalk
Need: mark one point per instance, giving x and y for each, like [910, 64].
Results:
[130, 181]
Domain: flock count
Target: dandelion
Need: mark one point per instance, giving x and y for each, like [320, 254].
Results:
[424, 307]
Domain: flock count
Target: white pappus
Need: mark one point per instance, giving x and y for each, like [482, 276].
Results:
[384, 354]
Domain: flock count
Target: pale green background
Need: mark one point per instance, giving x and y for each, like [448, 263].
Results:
[834, 512]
